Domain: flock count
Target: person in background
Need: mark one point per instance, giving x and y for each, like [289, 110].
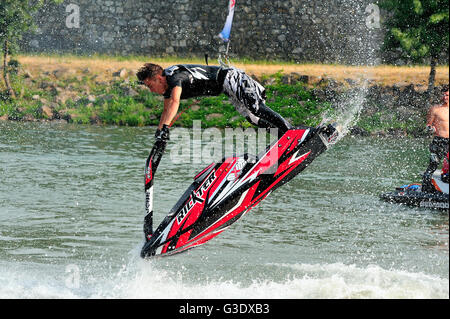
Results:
[437, 123]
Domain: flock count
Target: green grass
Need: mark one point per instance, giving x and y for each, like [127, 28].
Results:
[388, 121]
[112, 106]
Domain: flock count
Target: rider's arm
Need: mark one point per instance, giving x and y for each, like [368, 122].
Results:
[430, 119]
[170, 107]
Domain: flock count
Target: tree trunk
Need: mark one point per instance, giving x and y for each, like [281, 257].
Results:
[5, 71]
[432, 79]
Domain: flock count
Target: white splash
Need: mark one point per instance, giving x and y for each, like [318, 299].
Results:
[145, 279]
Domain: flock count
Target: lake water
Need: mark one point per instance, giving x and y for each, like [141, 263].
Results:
[72, 206]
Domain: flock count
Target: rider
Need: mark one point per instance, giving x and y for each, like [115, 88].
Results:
[437, 122]
[185, 81]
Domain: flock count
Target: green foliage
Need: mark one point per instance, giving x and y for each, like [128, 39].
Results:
[16, 19]
[386, 121]
[420, 28]
[112, 106]
[296, 103]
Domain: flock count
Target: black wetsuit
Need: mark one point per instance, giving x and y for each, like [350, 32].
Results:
[438, 150]
[247, 95]
[195, 80]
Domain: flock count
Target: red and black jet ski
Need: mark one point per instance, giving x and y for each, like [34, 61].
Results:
[412, 194]
[224, 192]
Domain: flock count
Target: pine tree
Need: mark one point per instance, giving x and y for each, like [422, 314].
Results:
[419, 28]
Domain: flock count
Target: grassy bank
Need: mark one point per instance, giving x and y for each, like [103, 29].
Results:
[103, 90]
[103, 66]
[83, 98]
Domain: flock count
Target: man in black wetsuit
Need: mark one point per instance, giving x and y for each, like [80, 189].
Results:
[187, 81]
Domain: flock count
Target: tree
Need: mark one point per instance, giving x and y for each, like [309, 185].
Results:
[420, 29]
[15, 19]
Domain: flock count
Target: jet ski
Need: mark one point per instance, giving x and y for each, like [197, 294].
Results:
[224, 192]
[413, 195]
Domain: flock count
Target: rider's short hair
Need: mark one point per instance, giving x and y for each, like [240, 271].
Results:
[149, 70]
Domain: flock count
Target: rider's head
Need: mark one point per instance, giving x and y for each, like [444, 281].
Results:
[152, 76]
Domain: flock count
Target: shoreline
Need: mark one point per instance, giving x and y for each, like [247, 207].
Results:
[103, 91]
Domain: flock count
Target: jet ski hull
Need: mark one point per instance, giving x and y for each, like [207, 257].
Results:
[418, 199]
[224, 192]
[412, 195]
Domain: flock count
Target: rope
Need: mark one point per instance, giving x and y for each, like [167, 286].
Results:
[178, 115]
